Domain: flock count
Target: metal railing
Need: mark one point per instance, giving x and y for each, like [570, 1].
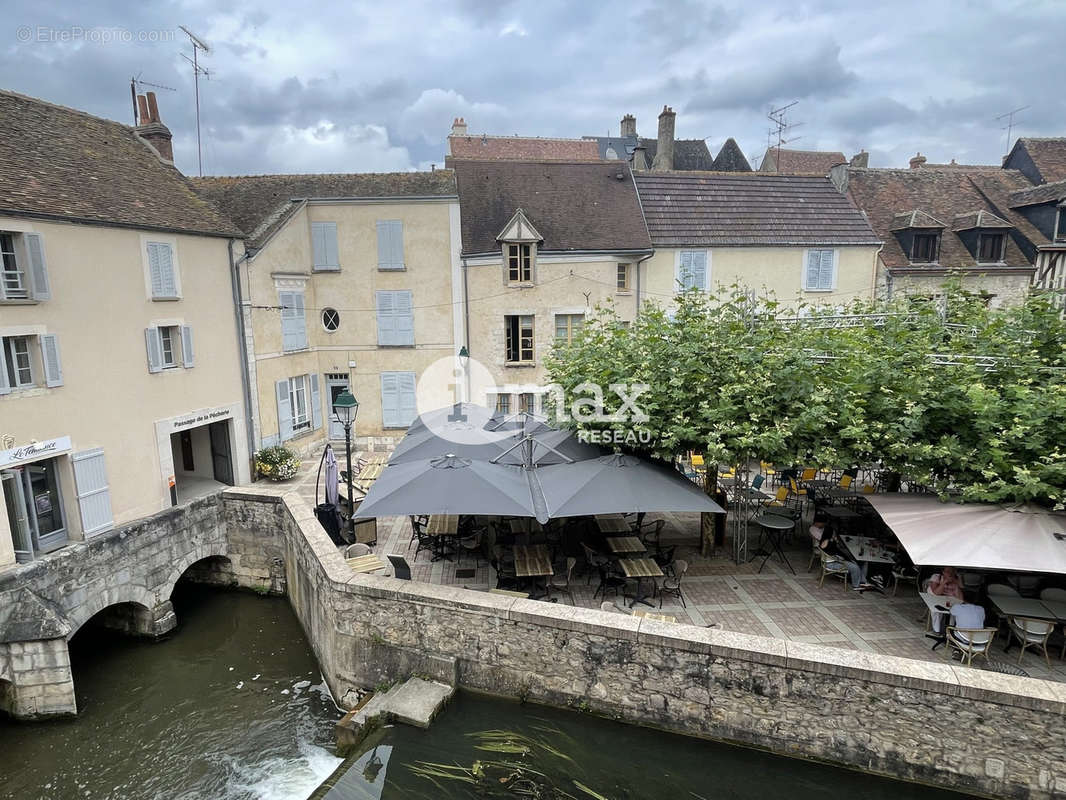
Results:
[13, 284]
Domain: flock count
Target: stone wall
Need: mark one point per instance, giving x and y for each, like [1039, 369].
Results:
[35, 679]
[967, 729]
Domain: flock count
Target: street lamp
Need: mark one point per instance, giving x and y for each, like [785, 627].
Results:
[345, 409]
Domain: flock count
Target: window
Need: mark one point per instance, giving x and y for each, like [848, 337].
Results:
[390, 244]
[161, 271]
[31, 495]
[527, 403]
[396, 319]
[692, 270]
[398, 408]
[166, 339]
[163, 343]
[293, 321]
[503, 404]
[24, 359]
[820, 272]
[924, 248]
[298, 402]
[623, 277]
[567, 326]
[519, 338]
[990, 247]
[324, 246]
[23, 275]
[331, 320]
[520, 263]
[18, 362]
[1060, 228]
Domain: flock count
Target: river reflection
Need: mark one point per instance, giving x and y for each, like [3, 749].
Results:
[229, 707]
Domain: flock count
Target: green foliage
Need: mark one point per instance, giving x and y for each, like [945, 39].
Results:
[730, 377]
[277, 463]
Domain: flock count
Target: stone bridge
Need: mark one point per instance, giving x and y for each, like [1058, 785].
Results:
[121, 579]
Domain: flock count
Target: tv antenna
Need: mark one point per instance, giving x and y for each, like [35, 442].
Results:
[1009, 127]
[198, 44]
[778, 116]
[136, 82]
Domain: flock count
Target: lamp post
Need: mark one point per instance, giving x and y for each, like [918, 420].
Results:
[345, 409]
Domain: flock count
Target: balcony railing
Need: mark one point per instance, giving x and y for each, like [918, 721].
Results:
[13, 285]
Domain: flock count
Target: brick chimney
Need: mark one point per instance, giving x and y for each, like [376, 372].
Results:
[918, 161]
[155, 133]
[860, 159]
[664, 151]
[629, 126]
[459, 127]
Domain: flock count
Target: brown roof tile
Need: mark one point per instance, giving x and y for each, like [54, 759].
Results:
[748, 209]
[1049, 156]
[59, 162]
[521, 148]
[800, 162]
[1045, 193]
[574, 206]
[259, 204]
[915, 218]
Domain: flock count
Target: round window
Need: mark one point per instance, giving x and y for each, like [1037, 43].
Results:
[331, 320]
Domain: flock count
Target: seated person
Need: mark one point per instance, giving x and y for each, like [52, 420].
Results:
[968, 615]
[946, 583]
[837, 551]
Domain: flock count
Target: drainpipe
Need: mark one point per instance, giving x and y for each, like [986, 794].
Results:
[466, 309]
[637, 278]
[235, 287]
[888, 278]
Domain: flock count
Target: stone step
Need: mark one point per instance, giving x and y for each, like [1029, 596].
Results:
[414, 702]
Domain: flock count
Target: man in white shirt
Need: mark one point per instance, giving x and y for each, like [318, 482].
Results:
[967, 615]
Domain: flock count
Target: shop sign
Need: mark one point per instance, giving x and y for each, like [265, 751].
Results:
[202, 418]
[34, 451]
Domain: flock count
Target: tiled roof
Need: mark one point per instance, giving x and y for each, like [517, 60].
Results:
[58, 162]
[978, 219]
[800, 162]
[521, 148]
[574, 206]
[689, 154]
[731, 158]
[884, 194]
[748, 209]
[259, 204]
[915, 218]
[1045, 193]
[1049, 155]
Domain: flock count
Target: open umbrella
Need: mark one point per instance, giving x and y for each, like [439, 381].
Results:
[546, 446]
[617, 483]
[449, 485]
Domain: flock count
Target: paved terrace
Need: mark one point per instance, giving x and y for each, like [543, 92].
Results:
[772, 603]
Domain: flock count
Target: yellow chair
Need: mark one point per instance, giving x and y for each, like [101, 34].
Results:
[868, 489]
[845, 481]
[800, 495]
[696, 460]
[808, 474]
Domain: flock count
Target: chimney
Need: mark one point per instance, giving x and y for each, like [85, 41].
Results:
[629, 125]
[860, 159]
[917, 161]
[155, 133]
[664, 151]
[459, 127]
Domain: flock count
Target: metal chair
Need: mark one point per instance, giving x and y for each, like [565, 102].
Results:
[1031, 633]
[1002, 590]
[471, 544]
[593, 560]
[562, 584]
[970, 642]
[671, 584]
[832, 566]
[610, 582]
[356, 550]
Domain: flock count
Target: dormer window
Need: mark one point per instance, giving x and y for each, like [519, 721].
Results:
[519, 240]
[925, 247]
[1060, 226]
[990, 247]
[519, 263]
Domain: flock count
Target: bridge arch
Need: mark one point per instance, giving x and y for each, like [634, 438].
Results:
[215, 567]
[143, 600]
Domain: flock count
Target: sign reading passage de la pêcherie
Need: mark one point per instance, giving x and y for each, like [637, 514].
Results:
[34, 451]
[201, 418]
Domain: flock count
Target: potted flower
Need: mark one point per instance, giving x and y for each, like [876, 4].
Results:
[277, 463]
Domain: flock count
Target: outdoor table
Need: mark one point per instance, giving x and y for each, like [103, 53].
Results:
[932, 601]
[1057, 608]
[532, 561]
[774, 529]
[640, 568]
[367, 563]
[612, 523]
[625, 544]
[367, 475]
[441, 527]
[866, 549]
[1022, 607]
[653, 615]
[842, 514]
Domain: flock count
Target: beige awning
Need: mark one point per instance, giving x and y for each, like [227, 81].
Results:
[981, 536]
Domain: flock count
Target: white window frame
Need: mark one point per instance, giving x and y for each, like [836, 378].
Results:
[166, 339]
[532, 337]
[677, 268]
[520, 281]
[624, 269]
[299, 391]
[803, 270]
[570, 328]
[174, 262]
[14, 378]
[24, 287]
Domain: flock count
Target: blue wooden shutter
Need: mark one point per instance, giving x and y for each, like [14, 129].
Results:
[53, 369]
[281, 389]
[408, 405]
[293, 321]
[154, 344]
[699, 269]
[38, 268]
[826, 273]
[161, 269]
[316, 404]
[186, 346]
[390, 244]
[403, 308]
[155, 269]
[324, 243]
[93, 491]
[5, 384]
[390, 400]
[819, 270]
[386, 314]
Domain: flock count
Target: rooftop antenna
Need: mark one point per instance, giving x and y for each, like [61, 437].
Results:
[778, 116]
[135, 82]
[197, 45]
[1010, 122]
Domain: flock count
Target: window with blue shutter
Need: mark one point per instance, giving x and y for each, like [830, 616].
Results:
[293, 321]
[38, 268]
[316, 404]
[398, 406]
[53, 369]
[819, 276]
[324, 245]
[692, 270]
[161, 271]
[390, 244]
[396, 321]
[154, 344]
[281, 390]
[186, 346]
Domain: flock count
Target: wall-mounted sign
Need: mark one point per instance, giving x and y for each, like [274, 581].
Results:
[34, 451]
[201, 418]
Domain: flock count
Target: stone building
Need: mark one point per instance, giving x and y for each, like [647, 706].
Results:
[1043, 161]
[120, 378]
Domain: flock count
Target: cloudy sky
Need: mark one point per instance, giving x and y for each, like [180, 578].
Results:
[299, 87]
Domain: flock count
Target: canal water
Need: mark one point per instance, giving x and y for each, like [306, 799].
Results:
[232, 707]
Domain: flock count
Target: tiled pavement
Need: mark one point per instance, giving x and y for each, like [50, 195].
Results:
[771, 603]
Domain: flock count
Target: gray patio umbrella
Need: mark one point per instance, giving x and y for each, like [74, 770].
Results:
[449, 485]
[617, 483]
[546, 446]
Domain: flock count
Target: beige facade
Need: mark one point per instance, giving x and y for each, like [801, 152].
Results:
[1003, 286]
[349, 356]
[779, 270]
[88, 434]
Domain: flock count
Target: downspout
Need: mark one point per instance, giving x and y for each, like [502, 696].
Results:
[466, 309]
[637, 292]
[888, 277]
[235, 287]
